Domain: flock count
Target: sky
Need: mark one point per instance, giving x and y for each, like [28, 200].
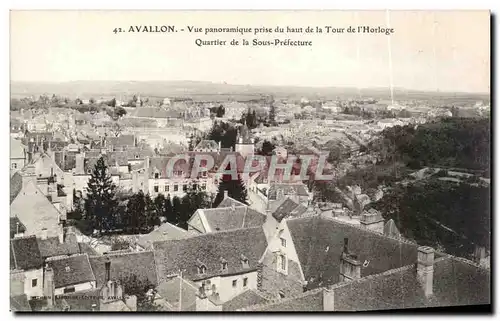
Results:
[440, 50]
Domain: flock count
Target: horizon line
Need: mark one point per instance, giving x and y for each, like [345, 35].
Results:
[254, 85]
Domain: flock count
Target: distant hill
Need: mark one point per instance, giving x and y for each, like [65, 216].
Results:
[207, 91]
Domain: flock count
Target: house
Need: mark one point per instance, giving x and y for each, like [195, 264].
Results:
[164, 232]
[304, 253]
[70, 274]
[26, 264]
[427, 282]
[17, 154]
[224, 264]
[245, 144]
[218, 219]
[208, 146]
[120, 143]
[137, 268]
[177, 294]
[296, 191]
[32, 207]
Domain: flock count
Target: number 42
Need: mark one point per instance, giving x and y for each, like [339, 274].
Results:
[116, 30]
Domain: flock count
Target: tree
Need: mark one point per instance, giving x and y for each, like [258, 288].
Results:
[267, 148]
[92, 101]
[176, 210]
[112, 102]
[235, 188]
[100, 203]
[272, 112]
[119, 244]
[194, 199]
[151, 217]
[220, 111]
[120, 112]
[132, 285]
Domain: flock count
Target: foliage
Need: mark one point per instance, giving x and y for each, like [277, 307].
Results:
[456, 216]
[100, 203]
[119, 244]
[235, 188]
[224, 133]
[266, 149]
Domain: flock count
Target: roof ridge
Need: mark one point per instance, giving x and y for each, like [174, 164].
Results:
[467, 261]
[122, 253]
[62, 257]
[373, 276]
[276, 301]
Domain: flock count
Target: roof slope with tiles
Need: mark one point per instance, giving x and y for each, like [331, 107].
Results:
[307, 301]
[125, 266]
[71, 270]
[248, 298]
[164, 232]
[228, 218]
[208, 250]
[319, 244]
[298, 189]
[25, 254]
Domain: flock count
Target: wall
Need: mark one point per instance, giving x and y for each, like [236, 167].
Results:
[195, 223]
[78, 287]
[224, 284]
[17, 163]
[28, 289]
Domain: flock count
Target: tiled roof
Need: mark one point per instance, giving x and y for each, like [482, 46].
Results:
[229, 201]
[288, 207]
[19, 303]
[16, 183]
[76, 303]
[207, 145]
[25, 253]
[71, 270]
[164, 232]
[85, 248]
[248, 298]
[120, 141]
[125, 266]
[307, 301]
[15, 223]
[227, 218]
[319, 244]
[454, 283]
[170, 292]
[51, 247]
[298, 189]
[208, 249]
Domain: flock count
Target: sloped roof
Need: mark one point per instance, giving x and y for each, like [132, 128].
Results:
[71, 270]
[207, 144]
[120, 141]
[319, 244]
[19, 303]
[170, 292]
[208, 249]
[298, 189]
[16, 184]
[229, 201]
[307, 301]
[164, 232]
[455, 283]
[125, 266]
[390, 229]
[288, 207]
[248, 298]
[227, 218]
[51, 247]
[25, 253]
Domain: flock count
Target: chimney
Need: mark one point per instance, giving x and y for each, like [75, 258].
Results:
[350, 267]
[219, 146]
[259, 275]
[62, 235]
[372, 220]
[107, 265]
[226, 194]
[48, 285]
[328, 299]
[425, 269]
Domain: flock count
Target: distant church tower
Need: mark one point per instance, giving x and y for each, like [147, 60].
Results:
[244, 142]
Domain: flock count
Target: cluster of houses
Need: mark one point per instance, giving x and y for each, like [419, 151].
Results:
[279, 253]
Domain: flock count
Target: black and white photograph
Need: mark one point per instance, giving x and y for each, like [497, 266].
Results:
[250, 161]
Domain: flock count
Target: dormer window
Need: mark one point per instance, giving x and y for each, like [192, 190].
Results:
[67, 269]
[223, 264]
[244, 262]
[202, 268]
[157, 175]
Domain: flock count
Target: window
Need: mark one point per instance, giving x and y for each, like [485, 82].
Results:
[155, 188]
[202, 269]
[184, 187]
[176, 188]
[224, 266]
[283, 242]
[34, 283]
[204, 173]
[167, 188]
[157, 175]
[235, 283]
[203, 186]
[282, 294]
[14, 165]
[69, 289]
[245, 282]
[282, 262]
[244, 262]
